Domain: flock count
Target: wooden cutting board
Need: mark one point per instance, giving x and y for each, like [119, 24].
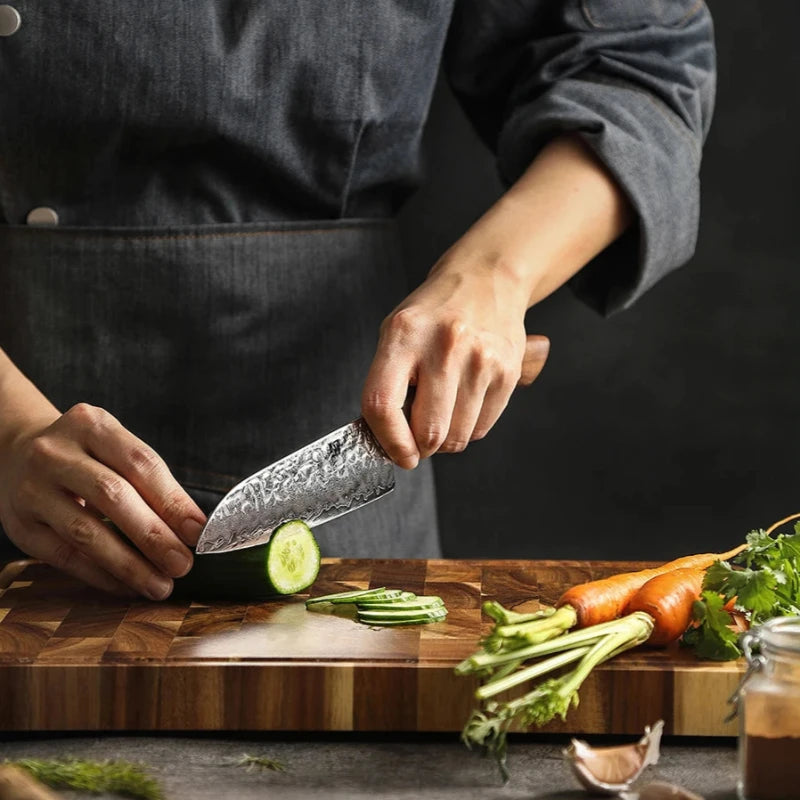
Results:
[72, 658]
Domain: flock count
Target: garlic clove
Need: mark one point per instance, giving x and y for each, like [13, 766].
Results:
[610, 770]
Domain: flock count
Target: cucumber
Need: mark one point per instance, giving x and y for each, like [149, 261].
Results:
[348, 597]
[288, 563]
[401, 597]
[387, 606]
[423, 614]
[292, 557]
[383, 596]
[417, 604]
[388, 622]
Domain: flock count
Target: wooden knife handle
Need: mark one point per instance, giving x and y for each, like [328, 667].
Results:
[537, 349]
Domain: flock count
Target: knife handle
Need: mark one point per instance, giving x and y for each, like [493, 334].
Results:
[537, 348]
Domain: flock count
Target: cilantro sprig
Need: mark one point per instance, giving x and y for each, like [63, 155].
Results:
[761, 582]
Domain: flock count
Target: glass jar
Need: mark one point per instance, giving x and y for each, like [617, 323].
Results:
[768, 704]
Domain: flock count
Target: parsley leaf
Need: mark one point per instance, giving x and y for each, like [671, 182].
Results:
[712, 638]
[754, 589]
[763, 581]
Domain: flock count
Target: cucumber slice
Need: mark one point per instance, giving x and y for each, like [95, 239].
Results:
[417, 604]
[348, 597]
[384, 596]
[369, 602]
[388, 606]
[388, 622]
[420, 614]
[292, 557]
[286, 564]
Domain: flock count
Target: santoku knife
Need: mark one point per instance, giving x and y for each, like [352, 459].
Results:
[323, 480]
[334, 475]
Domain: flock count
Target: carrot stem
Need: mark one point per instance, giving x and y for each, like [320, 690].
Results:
[480, 661]
[780, 522]
[507, 616]
[558, 694]
[554, 697]
[519, 634]
[498, 684]
[563, 619]
[559, 621]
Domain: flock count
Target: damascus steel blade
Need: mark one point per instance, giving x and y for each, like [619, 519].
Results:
[323, 480]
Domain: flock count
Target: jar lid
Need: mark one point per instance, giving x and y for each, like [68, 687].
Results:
[779, 633]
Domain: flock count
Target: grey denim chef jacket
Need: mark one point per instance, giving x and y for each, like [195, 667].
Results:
[224, 173]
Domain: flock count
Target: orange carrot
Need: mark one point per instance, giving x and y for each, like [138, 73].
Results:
[605, 599]
[668, 599]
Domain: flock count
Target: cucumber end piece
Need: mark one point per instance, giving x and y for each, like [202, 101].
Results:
[293, 558]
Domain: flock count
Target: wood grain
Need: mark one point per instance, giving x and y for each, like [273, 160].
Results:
[74, 659]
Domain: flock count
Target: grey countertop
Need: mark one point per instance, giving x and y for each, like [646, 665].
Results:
[378, 767]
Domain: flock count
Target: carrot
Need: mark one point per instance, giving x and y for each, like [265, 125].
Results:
[605, 599]
[668, 599]
[591, 603]
[657, 604]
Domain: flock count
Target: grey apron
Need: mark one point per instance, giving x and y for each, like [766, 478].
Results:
[227, 344]
[223, 347]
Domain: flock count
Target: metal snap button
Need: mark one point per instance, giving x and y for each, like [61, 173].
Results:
[10, 20]
[42, 216]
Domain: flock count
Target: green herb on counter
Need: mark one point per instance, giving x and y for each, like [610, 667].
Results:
[120, 777]
[258, 763]
[760, 583]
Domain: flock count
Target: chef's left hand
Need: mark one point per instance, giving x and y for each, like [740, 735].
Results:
[460, 339]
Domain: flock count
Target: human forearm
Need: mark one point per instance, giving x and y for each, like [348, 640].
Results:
[22, 405]
[562, 212]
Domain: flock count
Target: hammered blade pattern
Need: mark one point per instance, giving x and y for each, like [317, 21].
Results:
[334, 475]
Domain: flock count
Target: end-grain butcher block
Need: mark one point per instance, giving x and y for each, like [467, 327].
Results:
[72, 658]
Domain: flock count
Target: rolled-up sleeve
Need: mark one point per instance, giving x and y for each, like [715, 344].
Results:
[635, 79]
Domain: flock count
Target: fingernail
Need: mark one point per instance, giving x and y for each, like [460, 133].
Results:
[177, 563]
[191, 531]
[158, 587]
[408, 463]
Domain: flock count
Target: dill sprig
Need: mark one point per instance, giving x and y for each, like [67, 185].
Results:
[121, 777]
[259, 763]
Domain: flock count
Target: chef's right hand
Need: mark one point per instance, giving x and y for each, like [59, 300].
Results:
[59, 477]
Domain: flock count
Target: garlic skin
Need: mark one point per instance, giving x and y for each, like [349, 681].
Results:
[659, 790]
[610, 770]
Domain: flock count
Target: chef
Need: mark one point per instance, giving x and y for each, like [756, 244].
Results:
[199, 268]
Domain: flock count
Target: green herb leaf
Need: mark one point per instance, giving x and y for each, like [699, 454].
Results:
[754, 589]
[259, 763]
[758, 542]
[719, 576]
[791, 545]
[712, 638]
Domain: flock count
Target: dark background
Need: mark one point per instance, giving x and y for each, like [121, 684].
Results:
[671, 427]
